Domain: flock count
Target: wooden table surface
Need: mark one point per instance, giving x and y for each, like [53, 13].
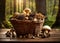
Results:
[55, 36]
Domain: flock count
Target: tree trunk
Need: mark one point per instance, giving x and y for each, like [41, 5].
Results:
[14, 6]
[41, 6]
[2, 12]
[57, 22]
[24, 4]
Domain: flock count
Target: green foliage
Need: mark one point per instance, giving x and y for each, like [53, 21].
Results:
[7, 24]
[52, 10]
[50, 23]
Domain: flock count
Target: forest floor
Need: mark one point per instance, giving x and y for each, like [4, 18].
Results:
[55, 36]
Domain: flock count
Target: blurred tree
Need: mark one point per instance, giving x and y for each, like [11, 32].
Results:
[57, 22]
[41, 6]
[14, 5]
[3, 20]
[24, 4]
[52, 10]
[2, 12]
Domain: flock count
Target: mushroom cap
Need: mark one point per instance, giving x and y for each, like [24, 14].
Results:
[27, 9]
[47, 27]
[17, 13]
